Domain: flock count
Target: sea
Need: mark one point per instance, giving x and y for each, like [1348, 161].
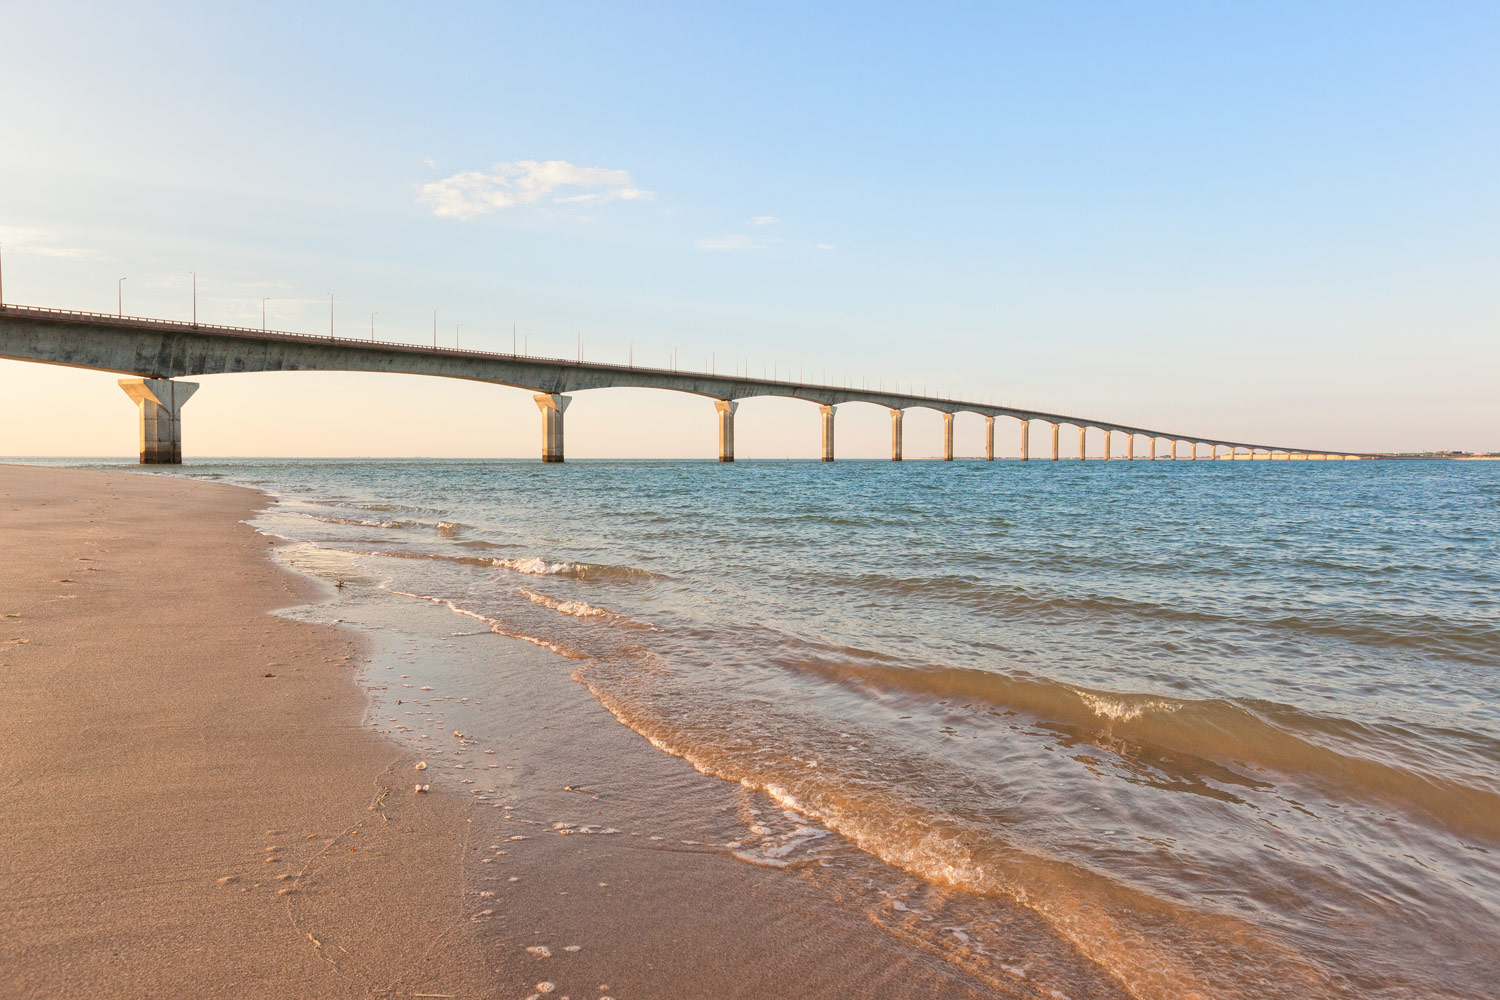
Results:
[1228, 729]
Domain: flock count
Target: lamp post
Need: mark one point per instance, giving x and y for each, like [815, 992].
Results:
[195, 296]
[372, 326]
[120, 298]
[263, 314]
[455, 335]
[330, 315]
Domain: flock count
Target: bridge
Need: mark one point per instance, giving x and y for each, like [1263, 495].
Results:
[159, 354]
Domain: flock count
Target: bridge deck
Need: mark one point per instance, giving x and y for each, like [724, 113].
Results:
[161, 348]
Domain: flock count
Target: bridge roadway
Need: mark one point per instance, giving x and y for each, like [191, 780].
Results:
[157, 353]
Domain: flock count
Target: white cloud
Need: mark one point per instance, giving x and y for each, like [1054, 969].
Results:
[762, 220]
[41, 243]
[730, 241]
[525, 182]
[825, 246]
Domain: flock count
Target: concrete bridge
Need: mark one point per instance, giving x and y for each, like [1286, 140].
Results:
[159, 354]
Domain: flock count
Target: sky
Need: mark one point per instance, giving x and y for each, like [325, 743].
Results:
[1269, 222]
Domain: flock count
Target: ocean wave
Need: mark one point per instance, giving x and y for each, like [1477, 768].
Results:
[578, 609]
[534, 566]
[1348, 757]
[341, 503]
[495, 625]
[446, 529]
[1153, 946]
[1469, 640]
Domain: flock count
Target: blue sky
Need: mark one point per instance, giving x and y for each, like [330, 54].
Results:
[1271, 221]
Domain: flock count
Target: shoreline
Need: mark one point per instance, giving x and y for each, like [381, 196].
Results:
[222, 723]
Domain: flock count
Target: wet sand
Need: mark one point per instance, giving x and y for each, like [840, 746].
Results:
[199, 802]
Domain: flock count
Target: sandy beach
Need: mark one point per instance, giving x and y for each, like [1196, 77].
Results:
[198, 804]
[180, 766]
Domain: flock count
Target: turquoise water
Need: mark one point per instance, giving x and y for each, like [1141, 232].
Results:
[1230, 729]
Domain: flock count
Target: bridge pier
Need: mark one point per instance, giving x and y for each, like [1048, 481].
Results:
[1083, 436]
[1174, 449]
[1130, 447]
[1025, 440]
[160, 401]
[947, 437]
[1055, 429]
[989, 439]
[827, 411]
[552, 405]
[726, 408]
[896, 416]
[1107, 435]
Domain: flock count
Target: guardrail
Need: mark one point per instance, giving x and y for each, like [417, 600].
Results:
[147, 322]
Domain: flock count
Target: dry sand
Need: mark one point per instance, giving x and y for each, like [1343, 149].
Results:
[195, 803]
[162, 734]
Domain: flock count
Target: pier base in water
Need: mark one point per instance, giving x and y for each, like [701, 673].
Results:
[726, 408]
[552, 405]
[160, 401]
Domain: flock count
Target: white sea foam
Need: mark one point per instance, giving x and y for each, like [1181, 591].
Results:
[495, 625]
[1120, 710]
[534, 566]
[578, 609]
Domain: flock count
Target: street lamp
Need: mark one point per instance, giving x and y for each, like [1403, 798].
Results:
[330, 315]
[120, 298]
[372, 326]
[195, 296]
[263, 314]
[455, 335]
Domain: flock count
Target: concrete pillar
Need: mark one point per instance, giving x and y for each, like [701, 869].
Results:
[1107, 435]
[947, 437]
[552, 405]
[1083, 437]
[160, 401]
[1192, 450]
[1130, 448]
[726, 408]
[896, 435]
[1025, 440]
[1153, 449]
[1055, 428]
[1174, 449]
[989, 439]
[827, 412]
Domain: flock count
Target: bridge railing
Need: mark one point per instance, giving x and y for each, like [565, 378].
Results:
[150, 322]
[147, 322]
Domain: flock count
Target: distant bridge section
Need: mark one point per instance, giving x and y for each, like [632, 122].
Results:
[158, 354]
